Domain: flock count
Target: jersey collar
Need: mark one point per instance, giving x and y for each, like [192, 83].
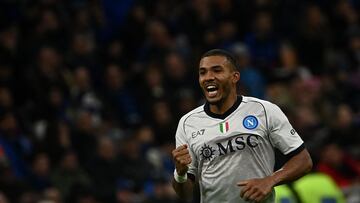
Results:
[227, 113]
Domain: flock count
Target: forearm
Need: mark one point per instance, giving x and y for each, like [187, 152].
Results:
[293, 169]
[184, 190]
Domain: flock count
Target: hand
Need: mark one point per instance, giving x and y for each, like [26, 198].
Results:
[256, 189]
[181, 158]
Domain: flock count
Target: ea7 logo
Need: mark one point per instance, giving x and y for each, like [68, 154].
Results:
[292, 131]
[197, 133]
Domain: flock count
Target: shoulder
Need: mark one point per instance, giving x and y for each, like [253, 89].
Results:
[192, 113]
[266, 105]
[270, 109]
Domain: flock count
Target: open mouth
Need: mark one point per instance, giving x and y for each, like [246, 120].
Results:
[212, 90]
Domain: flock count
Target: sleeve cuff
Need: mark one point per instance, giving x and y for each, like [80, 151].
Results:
[191, 176]
[296, 151]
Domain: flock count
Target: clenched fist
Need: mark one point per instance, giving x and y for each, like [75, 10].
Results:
[256, 189]
[181, 158]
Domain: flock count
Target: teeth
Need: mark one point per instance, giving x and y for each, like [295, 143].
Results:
[210, 87]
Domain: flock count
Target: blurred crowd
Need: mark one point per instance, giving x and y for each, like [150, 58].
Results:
[91, 90]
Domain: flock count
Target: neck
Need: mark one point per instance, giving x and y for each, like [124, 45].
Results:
[222, 107]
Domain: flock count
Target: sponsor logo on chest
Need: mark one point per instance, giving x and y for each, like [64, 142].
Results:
[229, 146]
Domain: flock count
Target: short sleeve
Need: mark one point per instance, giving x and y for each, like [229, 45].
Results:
[282, 135]
[180, 139]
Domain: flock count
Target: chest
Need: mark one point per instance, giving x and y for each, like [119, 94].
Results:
[216, 138]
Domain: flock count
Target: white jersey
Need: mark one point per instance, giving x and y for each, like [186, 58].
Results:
[235, 146]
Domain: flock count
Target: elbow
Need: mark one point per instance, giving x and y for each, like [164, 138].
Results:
[309, 164]
[305, 162]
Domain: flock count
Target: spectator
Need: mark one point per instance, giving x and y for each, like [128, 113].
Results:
[84, 137]
[105, 170]
[345, 132]
[262, 42]
[251, 78]
[40, 172]
[313, 39]
[118, 98]
[344, 169]
[132, 165]
[68, 174]
[14, 147]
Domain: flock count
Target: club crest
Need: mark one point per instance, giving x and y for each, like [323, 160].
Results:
[250, 122]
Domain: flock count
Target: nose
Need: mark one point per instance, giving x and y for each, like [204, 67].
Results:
[209, 76]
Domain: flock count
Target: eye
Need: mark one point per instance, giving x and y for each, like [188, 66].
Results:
[218, 69]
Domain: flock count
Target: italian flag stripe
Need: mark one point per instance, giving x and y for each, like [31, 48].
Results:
[224, 127]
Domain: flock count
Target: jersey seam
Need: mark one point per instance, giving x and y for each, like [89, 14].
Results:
[266, 119]
[188, 117]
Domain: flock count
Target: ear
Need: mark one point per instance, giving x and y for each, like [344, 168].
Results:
[236, 76]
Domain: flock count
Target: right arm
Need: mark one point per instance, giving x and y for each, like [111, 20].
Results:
[182, 158]
[184, 190]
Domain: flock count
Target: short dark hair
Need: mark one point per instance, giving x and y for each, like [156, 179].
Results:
[220, 52]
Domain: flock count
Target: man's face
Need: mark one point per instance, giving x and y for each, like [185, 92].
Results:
[217, 78]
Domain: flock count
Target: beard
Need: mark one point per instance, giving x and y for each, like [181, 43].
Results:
[219, 100]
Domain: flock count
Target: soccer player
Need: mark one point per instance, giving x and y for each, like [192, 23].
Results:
[227, 144]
